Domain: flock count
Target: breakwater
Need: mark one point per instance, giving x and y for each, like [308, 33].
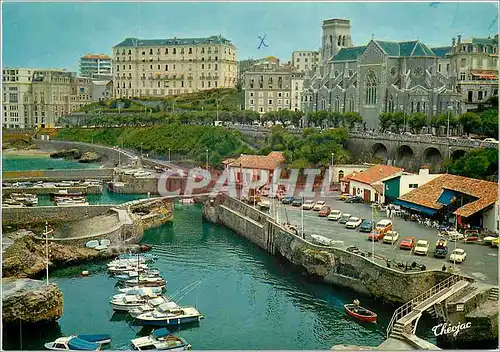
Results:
[333, 265]
[58, 175]
[48, 190]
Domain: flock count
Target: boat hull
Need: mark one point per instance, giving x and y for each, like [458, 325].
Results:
[371, 318]
[169, 322]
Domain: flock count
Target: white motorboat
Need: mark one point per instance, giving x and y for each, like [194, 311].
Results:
[72, 343]
[160, 340]
[146, 281]
[130, 262]
[122, 268]
[133, 275]
[149, 306]
[130, 301]
[137, 290]
[170, 314]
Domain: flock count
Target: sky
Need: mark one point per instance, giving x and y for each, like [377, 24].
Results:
[56, 35]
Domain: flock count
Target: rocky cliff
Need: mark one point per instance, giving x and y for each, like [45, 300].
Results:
[30, 301]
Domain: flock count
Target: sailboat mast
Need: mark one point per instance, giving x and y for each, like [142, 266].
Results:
[302, 216]
[373, 239]
[47, 249]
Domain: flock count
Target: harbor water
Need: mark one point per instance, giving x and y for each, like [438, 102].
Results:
[250, 300]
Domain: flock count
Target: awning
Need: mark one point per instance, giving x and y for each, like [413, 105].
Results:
[413, 206]
[485, 75]
[446, 197]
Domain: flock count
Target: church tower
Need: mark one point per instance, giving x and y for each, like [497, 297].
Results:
[336, 35]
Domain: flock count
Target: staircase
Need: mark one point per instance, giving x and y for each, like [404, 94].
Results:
[397, 332]
[493, 294]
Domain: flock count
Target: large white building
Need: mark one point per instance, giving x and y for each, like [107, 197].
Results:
[39, 97]
[160, 67]
[95, 65]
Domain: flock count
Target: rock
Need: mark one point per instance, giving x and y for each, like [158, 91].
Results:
[90, 157]
[67, 154]
[30, 301]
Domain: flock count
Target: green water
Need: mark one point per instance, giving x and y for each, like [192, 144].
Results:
[250, 299]
[41, 162]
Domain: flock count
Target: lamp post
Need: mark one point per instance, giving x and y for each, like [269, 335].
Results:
[448, 127]
[207, 157]
[169, 155]
[332, 158]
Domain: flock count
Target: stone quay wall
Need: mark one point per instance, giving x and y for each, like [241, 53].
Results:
[334, 265]
[58, 175]
[38, 215]
[47, 190]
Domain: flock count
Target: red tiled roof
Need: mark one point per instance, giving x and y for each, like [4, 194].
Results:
[375, 173]
[428, 194]
[265, 162]
[228, 161]
[346, 178]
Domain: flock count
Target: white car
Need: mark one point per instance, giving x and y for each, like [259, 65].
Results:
[334, 215]
[308, 205]
[490, 140]
[422, 247]
[353, 222]
[458, 255]
[318, 205]
[391, 237]
[455, 236]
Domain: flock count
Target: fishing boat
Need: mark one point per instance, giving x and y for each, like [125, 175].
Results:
[72, 343]
[170, 314]
[149, 306]
[160, 340]
[130, 262]
[137, 290]
[122, 268]
[133, 275]
[146, 281]
[130, 301]
[360, 313]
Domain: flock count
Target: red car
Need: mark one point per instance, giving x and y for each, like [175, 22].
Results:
[376, 236]
[325, 211]
[407, 243]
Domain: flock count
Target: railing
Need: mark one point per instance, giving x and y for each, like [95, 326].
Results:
[408, 307]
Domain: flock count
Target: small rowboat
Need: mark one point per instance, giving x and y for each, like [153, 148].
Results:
[360, 313]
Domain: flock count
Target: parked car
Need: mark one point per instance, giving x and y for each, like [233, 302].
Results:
[441, 250]
[325, 211]
[344, 196]
[287, 200]
[384, 226]
[318, 205]
[344, 218]
[375, 235]
[366, 226]
[334, 215]
[308, 204]
[297, 202]
[458, 255]
[354, 199]
[490, 140]
[455, 236]
[353, 222]
[422, 247]
[407, 242]
[391, 237]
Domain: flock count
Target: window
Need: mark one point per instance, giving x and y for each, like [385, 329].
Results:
[173, 51]
[390, 104]
[371, 88]
[190, 51]
[495, 91]
[336, 104]
[270, 101]
[480, 95]
[439, 67]
[462, 76]
[166, 67]
[151, 51]
[413, 185]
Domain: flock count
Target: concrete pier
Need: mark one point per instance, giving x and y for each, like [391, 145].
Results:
[105, 174]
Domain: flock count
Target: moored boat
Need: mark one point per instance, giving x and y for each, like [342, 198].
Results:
[97, 338]
[360, 313]
[72, 343]
[130, 301]
[146, 281]
[170, 314]
[136, 290]
[150, 305]
[160, 340]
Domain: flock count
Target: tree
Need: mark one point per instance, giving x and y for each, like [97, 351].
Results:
[490, 123]
[398, 119]
[470, 122]
[385, 120]
[352, 118]
[417, 121]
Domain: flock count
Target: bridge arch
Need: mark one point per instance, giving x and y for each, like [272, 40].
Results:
[379, 150]
[457, 154]
[405, 157]
[432, 158]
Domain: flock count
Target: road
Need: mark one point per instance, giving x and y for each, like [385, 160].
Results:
[481, 262]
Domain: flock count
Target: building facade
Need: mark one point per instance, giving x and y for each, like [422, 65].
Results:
[379, 77]
[303, 61]
[297, 85]
[146, 67]
[94, 65]
[399, 184]
[39, 97]
[101, 90]
[474, 65]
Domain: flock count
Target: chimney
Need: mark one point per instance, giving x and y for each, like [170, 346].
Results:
[459, 39]
[423, 172]
[453, 42]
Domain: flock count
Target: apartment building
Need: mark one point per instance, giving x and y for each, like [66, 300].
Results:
[296, 90]
[39, 97]
[474, 65]
[95, 65]
[159, 67]
[303, 61]
[267, 87]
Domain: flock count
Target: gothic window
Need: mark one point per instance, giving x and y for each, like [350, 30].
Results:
[371, 88]
[390, 104]
[337, 104]
[418, 106]
[424, 107]
[412, 107]
[343, 40]
[351, 104]
[418, 71]
[339, 41]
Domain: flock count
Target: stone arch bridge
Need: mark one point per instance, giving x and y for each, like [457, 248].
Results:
[410, 152]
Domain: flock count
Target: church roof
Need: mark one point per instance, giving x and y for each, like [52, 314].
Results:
[403, 49]
[442, 51]
[348, 54]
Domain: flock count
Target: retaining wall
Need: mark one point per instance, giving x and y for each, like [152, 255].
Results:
[48, 190]
[58, 175]
[333, 265]
[37, 215]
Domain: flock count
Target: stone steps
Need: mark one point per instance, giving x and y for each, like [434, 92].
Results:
[398, 331]
[493, 294]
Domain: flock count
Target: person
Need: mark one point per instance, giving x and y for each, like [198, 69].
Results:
[443, 268]
[356, 302]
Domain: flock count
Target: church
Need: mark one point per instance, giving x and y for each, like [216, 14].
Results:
[379, 77]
